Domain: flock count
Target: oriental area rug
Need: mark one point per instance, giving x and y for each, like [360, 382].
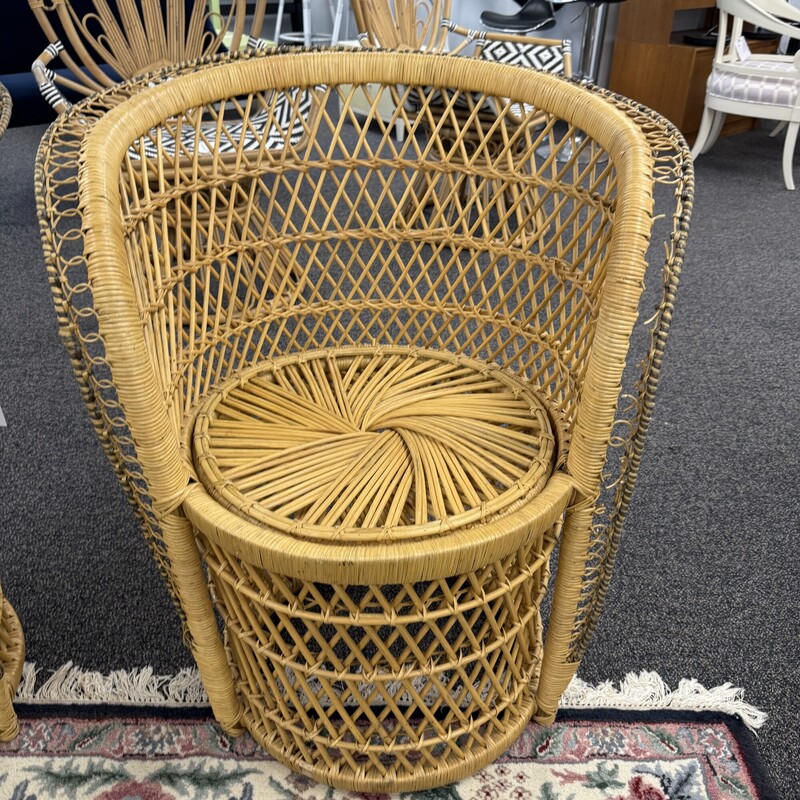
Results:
[88, 751]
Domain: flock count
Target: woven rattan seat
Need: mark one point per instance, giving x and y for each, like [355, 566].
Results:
[373, 444]
[353, 479]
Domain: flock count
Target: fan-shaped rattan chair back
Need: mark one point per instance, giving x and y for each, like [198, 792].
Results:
[373, 461]
[102, 43]
[401, 24]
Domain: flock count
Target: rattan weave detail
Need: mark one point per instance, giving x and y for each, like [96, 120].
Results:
[5, 109]
[545, 291]
[373, 444]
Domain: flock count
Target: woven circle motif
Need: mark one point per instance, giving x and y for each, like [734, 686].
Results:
[373, 444]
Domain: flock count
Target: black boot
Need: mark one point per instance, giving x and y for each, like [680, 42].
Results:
[535, 15]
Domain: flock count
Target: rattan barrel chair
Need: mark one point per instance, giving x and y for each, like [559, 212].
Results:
[366, 480]
[12, 640]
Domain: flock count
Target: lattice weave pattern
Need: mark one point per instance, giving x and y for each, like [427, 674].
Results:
[342, 680]
[374, 401]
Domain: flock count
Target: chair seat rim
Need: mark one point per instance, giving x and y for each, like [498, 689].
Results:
[459, 553]
[536, 435]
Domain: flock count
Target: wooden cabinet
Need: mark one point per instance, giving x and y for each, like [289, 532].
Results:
[652, 64]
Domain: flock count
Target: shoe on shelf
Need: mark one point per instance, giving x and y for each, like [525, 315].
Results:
[535, 15]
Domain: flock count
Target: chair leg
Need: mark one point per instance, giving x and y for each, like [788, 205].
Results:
[307, 23]
[716, 127]
[706, 123]
[778, 128]
[337, 13]
[206, 645]
[788, 154]
[558, 667]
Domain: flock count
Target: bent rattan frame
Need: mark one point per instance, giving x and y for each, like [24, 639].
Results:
[584, 563]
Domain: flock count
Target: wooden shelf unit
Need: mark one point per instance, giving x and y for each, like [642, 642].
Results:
[653, 65]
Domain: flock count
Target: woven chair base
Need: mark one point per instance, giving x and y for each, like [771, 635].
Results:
[367, 686]
[373, 768]
[419, 682]
[12, 657]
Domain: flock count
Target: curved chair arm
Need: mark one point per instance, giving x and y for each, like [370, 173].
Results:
[46, 78]
[781, 9]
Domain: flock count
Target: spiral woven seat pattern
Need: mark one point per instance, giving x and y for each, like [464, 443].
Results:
[373, 443]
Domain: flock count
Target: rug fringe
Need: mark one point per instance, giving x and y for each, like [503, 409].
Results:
[645, 691]
[642, 691]
[71, 684]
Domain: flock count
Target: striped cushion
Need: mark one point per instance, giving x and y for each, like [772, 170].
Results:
[533, 56]
[778, 85]
[286, 126]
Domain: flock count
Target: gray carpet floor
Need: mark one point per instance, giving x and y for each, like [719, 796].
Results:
[706, 583]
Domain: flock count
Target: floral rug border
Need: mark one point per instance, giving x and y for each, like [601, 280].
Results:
[167, 753]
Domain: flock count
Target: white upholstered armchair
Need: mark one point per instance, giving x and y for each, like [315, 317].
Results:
[753, 85]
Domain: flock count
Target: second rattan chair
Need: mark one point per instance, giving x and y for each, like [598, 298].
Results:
[101, 45]
[365, 472]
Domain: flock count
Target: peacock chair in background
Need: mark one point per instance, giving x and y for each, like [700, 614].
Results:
[101, 44]
[365, 475]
